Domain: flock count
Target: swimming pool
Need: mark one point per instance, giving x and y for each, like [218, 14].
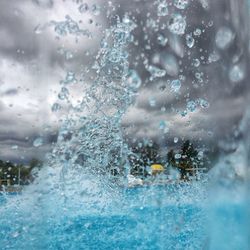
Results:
[143, 218]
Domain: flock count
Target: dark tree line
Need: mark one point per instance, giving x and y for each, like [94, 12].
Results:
[13, 174]
[142, 157]
[188, 161]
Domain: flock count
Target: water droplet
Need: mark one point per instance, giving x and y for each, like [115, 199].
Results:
[210, 133]
[83, 8]
[156, 72]
[150, 23]
[191, 106]
[203, 103]
[162, 40]
[177, 24]
[183, 113]
[64, 93]
[213, 57]
[177, 156]
[104, 44]
[163, 125]
[38, 142]
[96, 9]
[175, 85]
[162, 87]
[163, 109]
[224, 37]
[210, 23]
[134, 79]
[190, 40]
[181, 4]
[162, 9]
[204, 4]
[197, 62]
[70, 78]
[152, 101]
[39, 28]
[68, 55]
[198, 76]
[56, 107]
[197, 32]
[200, 155]
[236, 73]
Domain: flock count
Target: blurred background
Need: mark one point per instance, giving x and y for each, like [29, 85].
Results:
[191, 58]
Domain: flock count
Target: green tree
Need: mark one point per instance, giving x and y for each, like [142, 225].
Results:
[18, 173]
[171, 157]
[189, 160]
[35, 163]
[142, 157]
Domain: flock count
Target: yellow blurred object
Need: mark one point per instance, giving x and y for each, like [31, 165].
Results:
[157, 169]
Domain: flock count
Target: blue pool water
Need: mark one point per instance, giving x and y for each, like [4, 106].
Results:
[137, 228]
[141, 221]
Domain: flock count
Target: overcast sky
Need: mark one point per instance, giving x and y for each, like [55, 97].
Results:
[31, 68]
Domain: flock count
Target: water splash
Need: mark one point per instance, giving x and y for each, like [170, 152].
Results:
[156, 72]
[69, 26]
[91, 145]
[92, 142]
[38, 142]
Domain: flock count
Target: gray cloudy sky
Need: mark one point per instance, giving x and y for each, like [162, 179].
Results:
[31, 69]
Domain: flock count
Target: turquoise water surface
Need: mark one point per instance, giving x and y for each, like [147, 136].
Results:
[142, 220]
